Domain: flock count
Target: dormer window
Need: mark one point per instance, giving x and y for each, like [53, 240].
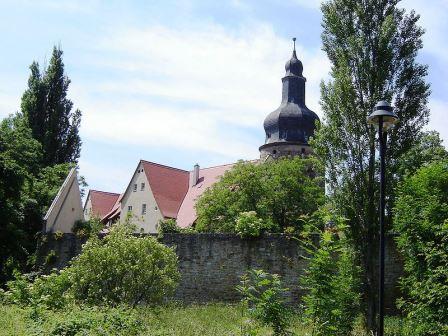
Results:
[135, 187]
[142, 187]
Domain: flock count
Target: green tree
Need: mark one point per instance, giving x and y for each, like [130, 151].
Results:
[429, 148]
[372, 46]
[331, 279]
[278, 191]
[19, 161]
[49, 112]
[421, 222]
[26, 192]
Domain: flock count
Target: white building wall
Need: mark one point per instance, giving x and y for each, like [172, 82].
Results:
[66, 208]
[88, 208]
[145, 222]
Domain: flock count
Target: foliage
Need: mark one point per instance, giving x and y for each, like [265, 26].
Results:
[421, 222]
[51, 257]
[278, 191]
[331, 278]
[249, 225]
[19, 157]
[49, 112]
[175, 320]
[84, 228]
[92, 321]
[372, 46]
[123, 268]
[263, 296]
[168, 226]
[49, 291]
[429, 148]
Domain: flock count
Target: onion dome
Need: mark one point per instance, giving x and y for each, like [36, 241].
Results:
[292, 121]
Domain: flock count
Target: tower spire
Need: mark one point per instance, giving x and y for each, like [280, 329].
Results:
[294, 41]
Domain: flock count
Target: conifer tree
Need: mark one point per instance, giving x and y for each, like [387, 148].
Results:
[372, 46]
[49, 112]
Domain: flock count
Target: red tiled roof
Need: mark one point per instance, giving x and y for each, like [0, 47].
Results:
[169, 186]
[207, 177]
[102, 202]
[114, 213]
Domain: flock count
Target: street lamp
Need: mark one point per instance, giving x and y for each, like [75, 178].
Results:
[382, 118]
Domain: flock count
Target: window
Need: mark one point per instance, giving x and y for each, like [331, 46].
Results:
[129, 208]
[142, 187]
[135, 187]
[143, 209]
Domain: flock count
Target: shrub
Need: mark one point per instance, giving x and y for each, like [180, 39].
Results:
[123, 268]
[168, 226]
[19, 289]
[249, 225]
[95, 321]
[47, 290]
[263, 296]
[58, 235]
[51, 290]
[421, 223]
[85, 228]
[51, 257]
[279, 191]
[331, 278]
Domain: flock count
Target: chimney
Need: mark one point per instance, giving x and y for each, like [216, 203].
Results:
[194, 177]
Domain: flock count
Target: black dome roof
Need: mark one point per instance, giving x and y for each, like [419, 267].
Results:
[292, 121]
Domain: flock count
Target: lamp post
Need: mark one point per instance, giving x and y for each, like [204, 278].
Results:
[382, 118]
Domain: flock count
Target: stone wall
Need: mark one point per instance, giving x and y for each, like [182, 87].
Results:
[211, 264]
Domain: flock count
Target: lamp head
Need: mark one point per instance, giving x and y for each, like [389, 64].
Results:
[383, 110]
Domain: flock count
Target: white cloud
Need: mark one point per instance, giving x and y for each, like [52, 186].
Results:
[439, 118]
[183, 88]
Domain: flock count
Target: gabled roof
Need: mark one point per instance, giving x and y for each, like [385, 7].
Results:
[207, 177]
[102, 202]
[169, 186]
[114, 213]
[66, 207]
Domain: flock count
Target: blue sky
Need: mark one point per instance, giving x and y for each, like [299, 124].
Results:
[180, 82]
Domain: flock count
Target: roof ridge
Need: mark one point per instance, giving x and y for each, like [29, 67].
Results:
[104, 192]
[229, 164]
[162, 165]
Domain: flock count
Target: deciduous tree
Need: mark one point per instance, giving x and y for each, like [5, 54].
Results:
[49, 112]
[372, 46]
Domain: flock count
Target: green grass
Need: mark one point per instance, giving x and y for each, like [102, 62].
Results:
[172, 320]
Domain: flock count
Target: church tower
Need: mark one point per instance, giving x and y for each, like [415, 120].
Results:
[290, 126]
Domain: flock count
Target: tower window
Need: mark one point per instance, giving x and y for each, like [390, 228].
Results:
[135, 187]
[143, 209]
[274, 151]
[129, 208]
[142, 187]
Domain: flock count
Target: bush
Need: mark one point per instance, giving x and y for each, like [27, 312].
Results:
[279, 191]
[86, 228]
[249, 225]
[123, 268]
[421, 223]
[331, 278]
[95, 321]
[168, 226]
[47, 290]
[263, 296]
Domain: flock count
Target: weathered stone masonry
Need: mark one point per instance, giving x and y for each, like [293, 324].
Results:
[211, 264]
